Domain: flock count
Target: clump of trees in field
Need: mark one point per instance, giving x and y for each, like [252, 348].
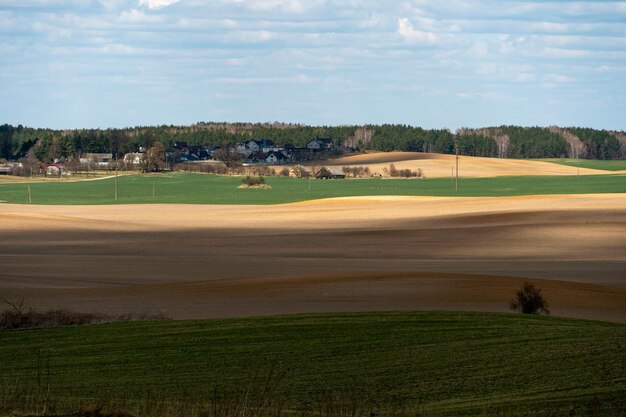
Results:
[357, 172]
[393, 172]
[529, 300]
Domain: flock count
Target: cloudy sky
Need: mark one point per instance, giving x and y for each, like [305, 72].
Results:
[436, 64]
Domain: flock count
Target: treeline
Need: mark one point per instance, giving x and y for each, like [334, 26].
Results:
[505, 141]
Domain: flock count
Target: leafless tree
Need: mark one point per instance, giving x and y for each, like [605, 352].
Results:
[228, 155]
[155, 158]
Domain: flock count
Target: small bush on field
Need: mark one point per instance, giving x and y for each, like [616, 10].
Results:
[529, 300]
[250, 181]
[18, 317]
[284, 172]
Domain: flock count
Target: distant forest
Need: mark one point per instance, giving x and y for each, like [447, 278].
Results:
[505, 141]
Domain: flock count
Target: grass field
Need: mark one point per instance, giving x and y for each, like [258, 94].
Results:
[207, 189]
[436, 363]
[619, 165]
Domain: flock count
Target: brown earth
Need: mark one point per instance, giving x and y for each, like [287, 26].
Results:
[439, 165]
[347, 254]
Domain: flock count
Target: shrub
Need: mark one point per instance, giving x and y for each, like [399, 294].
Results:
[300, 172]
[11, 319]
[250, 181]
[284, 172]
[529, 300]
[19, 317]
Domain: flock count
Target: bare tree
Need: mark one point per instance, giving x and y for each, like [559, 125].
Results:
[228, 155]
[30, 164]
[155, 158]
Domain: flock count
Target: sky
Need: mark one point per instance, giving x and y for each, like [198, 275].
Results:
[435, 64]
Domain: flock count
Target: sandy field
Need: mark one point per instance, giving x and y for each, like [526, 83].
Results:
[439, 165]
[345, 254]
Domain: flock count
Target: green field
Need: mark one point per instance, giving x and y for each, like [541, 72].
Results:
[619, 165]
[436, 363]
[208, 189]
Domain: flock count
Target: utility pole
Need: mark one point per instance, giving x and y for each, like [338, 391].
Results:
[116, 180]
[456, 187]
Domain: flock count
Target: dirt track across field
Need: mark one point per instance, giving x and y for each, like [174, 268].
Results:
[346, 254]
[436, 165]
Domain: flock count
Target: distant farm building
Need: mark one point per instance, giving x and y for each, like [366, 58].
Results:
[327, 173]
[5, 170]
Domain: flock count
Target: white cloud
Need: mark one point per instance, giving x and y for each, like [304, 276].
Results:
[249, 36]
[525, 77]
[353, 46]
[6, 21]
[292, 6]
[138, 17]
[410, 34]
[157, 4]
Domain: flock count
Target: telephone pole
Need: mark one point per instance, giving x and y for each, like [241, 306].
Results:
[456, 187]
[116, 180]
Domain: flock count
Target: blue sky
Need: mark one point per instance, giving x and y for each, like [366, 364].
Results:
[435, 64]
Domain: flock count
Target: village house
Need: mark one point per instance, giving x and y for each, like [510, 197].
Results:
[133, 158]
[258, 158]
[254, 146]
[200, 151]
[101, 160]
[243, 149]
[275, 158]
[181, 146]
[55, 170]
[320, 144]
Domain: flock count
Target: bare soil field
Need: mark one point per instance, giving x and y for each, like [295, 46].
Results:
[440, 165]
[345, 254]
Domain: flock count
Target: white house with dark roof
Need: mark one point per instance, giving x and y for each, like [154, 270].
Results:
[275, 158]
[320, 144]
